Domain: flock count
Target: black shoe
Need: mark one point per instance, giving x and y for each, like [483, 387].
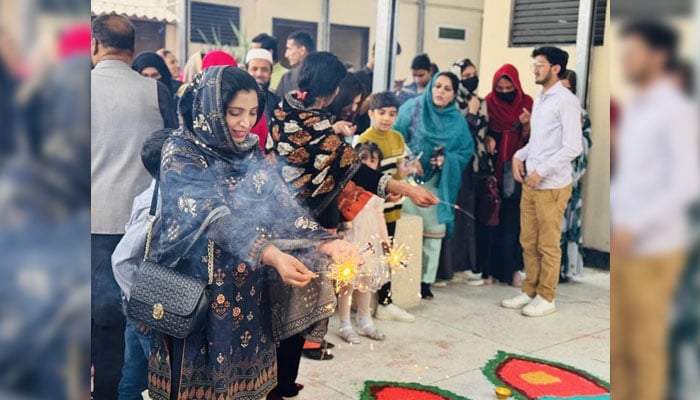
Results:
[425, 291]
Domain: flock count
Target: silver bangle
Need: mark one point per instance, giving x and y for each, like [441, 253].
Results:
[383, 182]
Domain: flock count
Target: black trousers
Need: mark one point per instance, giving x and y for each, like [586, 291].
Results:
[288, 359]
[498, 247]
[108, 322]
[384, 293]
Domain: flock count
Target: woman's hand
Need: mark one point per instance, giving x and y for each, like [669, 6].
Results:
[418, 195]
[490, 145]
[339, 249]
[474, 105]
[419, 167]
[422, 197]
[292, 271]
[438, 161]
[524, 117]
[344, 128]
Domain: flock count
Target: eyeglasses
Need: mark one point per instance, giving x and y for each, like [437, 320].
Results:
[538, 65]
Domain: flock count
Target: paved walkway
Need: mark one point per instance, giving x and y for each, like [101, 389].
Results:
[459, 331]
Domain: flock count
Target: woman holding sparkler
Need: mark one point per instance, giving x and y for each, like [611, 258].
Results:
[317, 164]
[213, 174]
[434, 128]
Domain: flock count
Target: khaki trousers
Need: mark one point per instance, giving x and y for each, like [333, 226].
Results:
[541, 212]
[642, 291]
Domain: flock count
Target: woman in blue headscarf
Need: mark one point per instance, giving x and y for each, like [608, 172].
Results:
[433, 126]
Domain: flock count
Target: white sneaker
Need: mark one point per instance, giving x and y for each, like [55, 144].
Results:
[539, 307]
[517, 302]
[471, 275]
[393, 312]
[468, 277]
[440, 284]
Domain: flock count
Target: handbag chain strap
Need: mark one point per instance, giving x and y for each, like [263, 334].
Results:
[149, 235]
[210, 261]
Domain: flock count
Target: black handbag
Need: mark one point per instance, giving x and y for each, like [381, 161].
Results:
[167, 300]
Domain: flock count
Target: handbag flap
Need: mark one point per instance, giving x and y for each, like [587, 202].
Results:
[178, 293]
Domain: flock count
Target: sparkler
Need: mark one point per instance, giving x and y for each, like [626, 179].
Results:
[458, 208]
[344, 270]
[396, 256]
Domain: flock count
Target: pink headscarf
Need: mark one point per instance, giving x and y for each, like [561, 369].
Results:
[218, 57]
[74, 40]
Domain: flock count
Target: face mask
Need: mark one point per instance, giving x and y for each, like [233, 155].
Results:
[508, 97]
[470, 83]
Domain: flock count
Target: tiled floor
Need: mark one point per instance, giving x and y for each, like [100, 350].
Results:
[459, 331]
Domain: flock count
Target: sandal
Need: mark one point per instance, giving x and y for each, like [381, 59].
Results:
[371, 332]
[309, 345]
[349, 335]
[317, 354]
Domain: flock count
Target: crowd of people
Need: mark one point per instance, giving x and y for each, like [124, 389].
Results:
[260, 177]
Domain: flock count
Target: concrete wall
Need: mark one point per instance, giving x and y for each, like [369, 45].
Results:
[256, 17]
[495, 52]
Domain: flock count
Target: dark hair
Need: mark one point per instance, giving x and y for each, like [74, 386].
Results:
[304, 39]
[421, 61]
[554, 56]
[185, 107]
[147, 59]
[466, 63]
[350, 87]
[434, 69]
[570, 75]
[115, 31]
[384, 99]
[267, 42]
[371, 147]
[320, 75]
[452, 77]
[235, 80]
[151, 150]
[657, 36]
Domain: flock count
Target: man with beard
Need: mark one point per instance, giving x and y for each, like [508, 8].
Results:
[258, 63]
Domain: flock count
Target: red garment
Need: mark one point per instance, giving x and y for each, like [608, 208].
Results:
[218, 57]
[74, 40]
[503, 116]
[260, 129]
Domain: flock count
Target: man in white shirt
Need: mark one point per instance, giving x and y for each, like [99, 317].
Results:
[655, 182]
[555, 140]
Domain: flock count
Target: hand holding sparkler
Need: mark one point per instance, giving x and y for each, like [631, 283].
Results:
[291, 270]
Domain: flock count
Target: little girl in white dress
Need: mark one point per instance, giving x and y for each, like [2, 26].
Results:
[367, 229]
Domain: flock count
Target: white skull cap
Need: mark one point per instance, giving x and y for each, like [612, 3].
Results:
[258, 53]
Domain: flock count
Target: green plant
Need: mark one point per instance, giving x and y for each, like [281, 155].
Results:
[238, 51]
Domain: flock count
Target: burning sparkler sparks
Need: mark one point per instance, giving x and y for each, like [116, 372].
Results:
[396, 256]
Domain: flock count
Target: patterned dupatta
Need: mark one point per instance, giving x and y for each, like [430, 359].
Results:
[211, 184]
[318, 162]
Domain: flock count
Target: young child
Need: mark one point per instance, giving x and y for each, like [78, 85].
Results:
[383, 110]
[368, 226]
